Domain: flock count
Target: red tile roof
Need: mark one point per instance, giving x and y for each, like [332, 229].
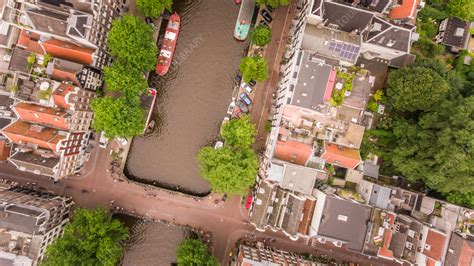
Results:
[4, 150]
[384, 251]
[60, 95]
[69, 51]
[66, 76]
[467, 254]
[330, 85]
[42, 115]
[341, 156]
[436, 241]
[29, 42]
[406, 10]
[22, 132]
[293, 151]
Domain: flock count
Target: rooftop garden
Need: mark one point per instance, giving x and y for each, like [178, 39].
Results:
[343, 85]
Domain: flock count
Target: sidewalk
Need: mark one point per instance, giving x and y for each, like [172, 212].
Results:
[273, 53]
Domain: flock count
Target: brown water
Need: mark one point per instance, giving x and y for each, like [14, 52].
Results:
[192, 97]
[150, 243]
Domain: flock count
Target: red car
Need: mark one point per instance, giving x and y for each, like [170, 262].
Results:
[249, 202]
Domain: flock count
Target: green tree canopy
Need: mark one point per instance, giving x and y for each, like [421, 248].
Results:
[416, 88]
[194, 252]
[117, 117]
[261, 35]
[91, 238]
[154, 8]
[130, 40]
[255, 68]
[463, 9]
[128, 81]
[273, 3]
[239, 133]
[227, 170]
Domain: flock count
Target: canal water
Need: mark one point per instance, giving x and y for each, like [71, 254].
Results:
[192, 97]
[150, 243]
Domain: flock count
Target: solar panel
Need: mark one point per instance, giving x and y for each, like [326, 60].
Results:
[357, 49]
[339, 45]
[332, 46]
[345, 47]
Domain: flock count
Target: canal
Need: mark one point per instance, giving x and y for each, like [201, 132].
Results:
[150, 243]
[192, 97]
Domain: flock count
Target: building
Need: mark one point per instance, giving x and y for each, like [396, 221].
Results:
[29, 222]
[280, 209]
[263, 255]
[67, 22]
[454, 33]
[433, 245]
[335, 219]
[460, 250]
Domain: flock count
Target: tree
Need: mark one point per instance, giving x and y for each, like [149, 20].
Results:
[194, 252]
[458, 198]
[416, 88]
[128, 81]
[228, 170]
[130, 40]
[255, 68]
[463, 9]
[239, 133]
[91, 238]
[273, 3]
[154, 8]
[437, 146]
[261, 35]
[117, 117]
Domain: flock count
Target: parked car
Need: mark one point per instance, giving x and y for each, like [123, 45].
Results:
[103, 140]
[122, 141]
[246, 87]
[252, 82]
[230, 109]
[249, 202]
[266, 16]
[242, 106]
[245, 98]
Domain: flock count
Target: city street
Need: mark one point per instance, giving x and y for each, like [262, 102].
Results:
[227, 221]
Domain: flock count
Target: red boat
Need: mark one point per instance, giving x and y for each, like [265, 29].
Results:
[168, 45]
[238, 2]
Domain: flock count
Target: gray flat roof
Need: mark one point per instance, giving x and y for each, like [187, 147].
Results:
[313, 78]
[345, 220]
[299, 178]
[380, 196]
[319, 41]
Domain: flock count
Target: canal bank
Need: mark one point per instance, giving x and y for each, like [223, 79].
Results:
[192, 98]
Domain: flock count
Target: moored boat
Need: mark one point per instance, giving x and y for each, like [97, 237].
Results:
[168, 46]
[244, 20]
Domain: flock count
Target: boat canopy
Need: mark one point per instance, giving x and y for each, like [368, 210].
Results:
[173, 25]
[165, 53]
[170, 35]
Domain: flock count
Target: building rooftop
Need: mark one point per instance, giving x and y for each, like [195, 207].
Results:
[345, 220]
[299, 178]
[46, 21]
[24, 132]
[434, 245]
[371, 169]
[38, 114]
[346, 18]
[373, 5]
[405, 9]
[388, 35]
[331, 44]
[64, 70]
[456, 33]
[460, 250]
[35, 163]
[69, 51]
[405, 239]
[314, 80]
[19, 61]
[341, 156]
[293, 151]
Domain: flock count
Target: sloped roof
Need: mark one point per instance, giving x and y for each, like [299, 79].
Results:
[69, 51]
[293, 151]
[436, 241]
[346, 18]
[341, 156]
[42, 115]
[407, 9]
[460, 251]
[23, 131]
